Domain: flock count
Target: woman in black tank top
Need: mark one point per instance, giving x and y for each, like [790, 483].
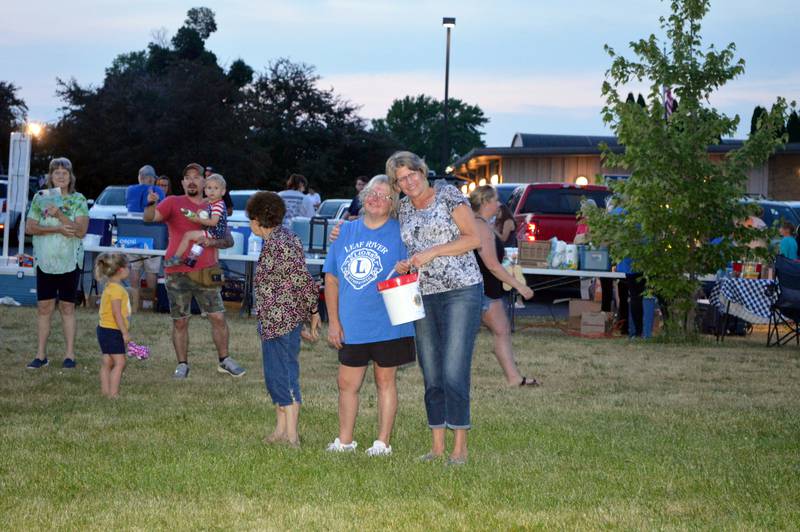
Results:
[493, 314]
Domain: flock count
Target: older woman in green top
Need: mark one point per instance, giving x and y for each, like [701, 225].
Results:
[57, 220]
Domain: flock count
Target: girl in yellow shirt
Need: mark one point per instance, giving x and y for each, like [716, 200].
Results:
[115, 309]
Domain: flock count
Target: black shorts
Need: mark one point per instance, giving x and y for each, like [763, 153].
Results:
[63, 286]
[386, 354]
[110, 340]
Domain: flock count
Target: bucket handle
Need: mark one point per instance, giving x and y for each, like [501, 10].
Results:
[393, 271]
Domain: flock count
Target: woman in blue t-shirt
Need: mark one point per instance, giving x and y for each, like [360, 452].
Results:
[364, 254]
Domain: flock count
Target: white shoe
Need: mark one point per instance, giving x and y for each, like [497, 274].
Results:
[519, 304]
[339, 447]
[379, 449]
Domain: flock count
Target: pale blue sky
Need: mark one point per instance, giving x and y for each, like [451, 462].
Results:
[533, 66]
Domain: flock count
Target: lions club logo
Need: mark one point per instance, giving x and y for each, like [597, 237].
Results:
[361, 267]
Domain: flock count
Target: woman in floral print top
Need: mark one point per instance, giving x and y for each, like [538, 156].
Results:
[57, 222]
[438, 228]
[286, 296]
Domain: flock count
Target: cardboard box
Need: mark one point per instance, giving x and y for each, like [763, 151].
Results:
[594, 323]
[233, 306]
[574, 324]
[142, 299]
[533, 254]
[579, 306]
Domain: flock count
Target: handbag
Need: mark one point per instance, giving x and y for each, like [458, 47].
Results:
[210, 277]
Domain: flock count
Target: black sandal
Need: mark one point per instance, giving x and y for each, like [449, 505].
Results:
[529, 382]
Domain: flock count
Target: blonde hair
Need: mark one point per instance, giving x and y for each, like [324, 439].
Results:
[66, 164]
[108, 264]
[406, 159]
[218, 178]
[481, 195]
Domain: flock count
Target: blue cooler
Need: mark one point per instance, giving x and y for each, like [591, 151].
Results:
[100, 227]
[136, 227]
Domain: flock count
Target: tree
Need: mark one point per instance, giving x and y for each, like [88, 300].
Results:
[793, 127]
[13, 113]
[678, 200]
[162, 106]
[240, 73]
[305, 129]
[758, 112]
[416, 124]
[171, 104]
[202, 20]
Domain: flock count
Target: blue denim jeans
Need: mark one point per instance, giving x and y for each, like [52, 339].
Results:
[282, 367]
[445, 340]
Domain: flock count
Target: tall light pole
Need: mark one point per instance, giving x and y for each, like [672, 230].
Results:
[449, 23]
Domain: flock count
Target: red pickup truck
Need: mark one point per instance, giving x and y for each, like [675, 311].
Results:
[546, 210]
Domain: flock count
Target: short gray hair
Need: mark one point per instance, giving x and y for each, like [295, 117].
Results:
[378, 180]
[147, 171]
[408, 160]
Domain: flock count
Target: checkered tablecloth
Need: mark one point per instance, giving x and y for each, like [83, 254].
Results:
[748, 298]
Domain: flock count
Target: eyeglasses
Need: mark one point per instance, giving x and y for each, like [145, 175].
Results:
[378, 196]
[408, 176]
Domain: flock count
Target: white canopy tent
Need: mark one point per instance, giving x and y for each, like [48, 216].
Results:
[19, 168]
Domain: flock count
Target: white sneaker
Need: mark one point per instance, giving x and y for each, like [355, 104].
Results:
[379, 449]
[519, 304]
[339, 447]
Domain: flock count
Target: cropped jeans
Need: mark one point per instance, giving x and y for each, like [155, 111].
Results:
[445, 341]
[280, 356]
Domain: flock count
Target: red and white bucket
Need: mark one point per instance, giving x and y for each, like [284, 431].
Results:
[402, 298]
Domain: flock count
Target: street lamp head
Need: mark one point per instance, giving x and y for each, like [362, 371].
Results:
[34, 129]
[449, 22]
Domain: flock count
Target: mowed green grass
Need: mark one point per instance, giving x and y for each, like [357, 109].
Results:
[623, 434]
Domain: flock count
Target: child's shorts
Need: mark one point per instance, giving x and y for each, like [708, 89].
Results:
[110, 340]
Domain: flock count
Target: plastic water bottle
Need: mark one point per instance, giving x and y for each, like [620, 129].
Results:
[254, 243]
[194, 254]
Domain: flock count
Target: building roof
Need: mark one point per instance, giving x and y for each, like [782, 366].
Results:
[534, 144]
[535, 140]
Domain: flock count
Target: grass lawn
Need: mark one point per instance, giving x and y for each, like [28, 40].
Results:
[623, 434]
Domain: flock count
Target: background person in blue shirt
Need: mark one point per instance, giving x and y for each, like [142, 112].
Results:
[136, 195]
[136, 201]
[364, 254]
[355, 205]
[788, 246]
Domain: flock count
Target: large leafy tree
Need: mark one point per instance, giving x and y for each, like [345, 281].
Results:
[163, 106]
[13, 113]
[173, 103]
[678, 200]
[416, 123]
[304, 128]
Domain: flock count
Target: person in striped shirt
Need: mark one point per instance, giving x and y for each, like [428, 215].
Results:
[214, 218]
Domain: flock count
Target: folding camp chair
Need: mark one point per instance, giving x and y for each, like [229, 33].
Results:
[785, 311]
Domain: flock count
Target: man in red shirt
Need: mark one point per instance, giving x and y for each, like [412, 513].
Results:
[181, 287]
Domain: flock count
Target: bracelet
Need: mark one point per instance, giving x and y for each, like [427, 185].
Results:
[315, 312]
[150, 203]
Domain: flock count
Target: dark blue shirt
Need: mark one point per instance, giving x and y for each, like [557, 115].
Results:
[355, 207]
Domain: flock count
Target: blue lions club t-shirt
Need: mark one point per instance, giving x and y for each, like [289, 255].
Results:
[360, 259]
